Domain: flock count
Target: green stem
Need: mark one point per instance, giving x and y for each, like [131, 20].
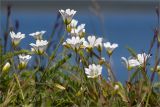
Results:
[52, 56]
[147, 99]
[19, 86]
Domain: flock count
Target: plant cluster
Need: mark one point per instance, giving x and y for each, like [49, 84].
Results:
[73, 77]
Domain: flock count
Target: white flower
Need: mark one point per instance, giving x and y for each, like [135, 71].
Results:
[130, 63]
[38, 35]
[74, 32]
[6, 67]
[16, 38]
[23, 59]
[74, 42]
[79, 31]
[92, 42]
[110, 47]
[73, 23]
[40, 46]
[67, 15]
[93, 71]
[142, 58]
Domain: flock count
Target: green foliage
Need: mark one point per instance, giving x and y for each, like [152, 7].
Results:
[62, 81]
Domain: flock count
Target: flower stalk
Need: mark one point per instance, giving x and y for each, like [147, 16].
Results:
[19, 86]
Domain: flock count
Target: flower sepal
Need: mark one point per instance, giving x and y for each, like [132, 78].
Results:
[66, 45]
[67, 21]
[22, 66]
[99, 48]
[68, 28]
[15, 43]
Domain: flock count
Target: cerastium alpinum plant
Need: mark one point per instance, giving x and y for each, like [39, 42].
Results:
[71, 74]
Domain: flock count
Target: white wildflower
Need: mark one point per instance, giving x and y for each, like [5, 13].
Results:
[110, 47]
[79, 31]
[130, 63]
[92, 42]
[67, 15]
[16, 38]
[74, 32]
[142, 58]
[93, 71]
[73, 23]
[23, 59]
[40, 46]
[38, 35]
[74, 42]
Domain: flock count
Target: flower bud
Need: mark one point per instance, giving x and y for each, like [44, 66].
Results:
[158, 69]
[60, 86]
[116, 87]
[102, 61]
[6, 67]
[159, 38]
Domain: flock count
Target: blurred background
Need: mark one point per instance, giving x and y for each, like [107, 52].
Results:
[126, 22]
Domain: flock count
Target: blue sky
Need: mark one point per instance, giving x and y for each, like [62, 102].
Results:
[127, 28]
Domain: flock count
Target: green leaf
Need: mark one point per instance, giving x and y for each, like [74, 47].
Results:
[133, 75]
[132, 52]
[56, 49]
[61, 62]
